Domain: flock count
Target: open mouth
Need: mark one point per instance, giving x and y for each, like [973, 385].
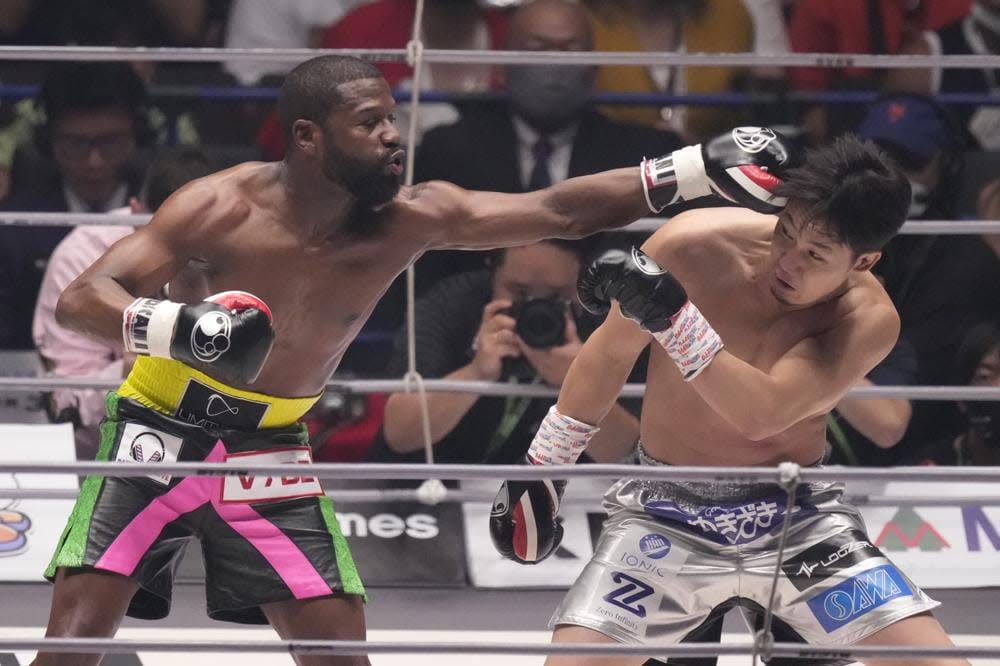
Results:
[783, 284]
[397, 163]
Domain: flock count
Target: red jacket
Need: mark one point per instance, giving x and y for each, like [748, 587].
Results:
[842, 26]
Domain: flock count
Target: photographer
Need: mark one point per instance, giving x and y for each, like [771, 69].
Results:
[516, 322]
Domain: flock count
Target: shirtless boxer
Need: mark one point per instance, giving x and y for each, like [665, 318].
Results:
[272, 270]
[788, 318]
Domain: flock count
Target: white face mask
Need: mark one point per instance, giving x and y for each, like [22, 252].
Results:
[919, 199]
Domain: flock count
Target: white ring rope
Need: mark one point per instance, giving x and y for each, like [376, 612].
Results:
[502, 389]
[462, 496]
[321, 647]
[644, 225]
[395, 471]
[494, 57]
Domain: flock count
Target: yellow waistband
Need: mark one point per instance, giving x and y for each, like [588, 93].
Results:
[163, 384]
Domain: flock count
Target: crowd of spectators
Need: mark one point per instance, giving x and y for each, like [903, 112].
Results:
[103, 137]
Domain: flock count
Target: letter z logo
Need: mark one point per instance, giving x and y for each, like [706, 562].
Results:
[631, 591]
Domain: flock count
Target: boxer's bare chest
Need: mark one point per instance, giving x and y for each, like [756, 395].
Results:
[320, 294]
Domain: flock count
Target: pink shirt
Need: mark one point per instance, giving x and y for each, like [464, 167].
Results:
[66, 353]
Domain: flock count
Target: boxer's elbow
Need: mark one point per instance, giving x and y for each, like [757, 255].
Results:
[69, 305]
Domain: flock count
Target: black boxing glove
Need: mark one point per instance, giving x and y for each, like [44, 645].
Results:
[744, 166]
[654, 299]
[524, 521]
[645, 292]
[228, 335]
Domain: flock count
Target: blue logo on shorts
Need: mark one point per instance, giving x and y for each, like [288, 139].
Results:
[857, 596]
[654, 546]
[737, 523]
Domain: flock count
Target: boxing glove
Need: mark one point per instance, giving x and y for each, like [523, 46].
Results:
[228, 335]
[654, 299]
[524, 521]
[744, 166]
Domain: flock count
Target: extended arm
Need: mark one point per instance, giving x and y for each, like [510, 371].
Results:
[742, 166]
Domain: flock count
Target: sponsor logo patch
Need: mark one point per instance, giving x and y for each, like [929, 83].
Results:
[245, 488]
[858, 596]
[143, 444]
[207, 407]
[828, 557]
[753, 139]
[210, 336]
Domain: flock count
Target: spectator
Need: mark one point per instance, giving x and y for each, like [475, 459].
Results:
[988, 208]
[856, 26]
[69, 354]
[95, 123]
[977, 33]
[513, 323]
[287, 24]
[672, 26]
[942, 285]
[864, 431]
[977, 363]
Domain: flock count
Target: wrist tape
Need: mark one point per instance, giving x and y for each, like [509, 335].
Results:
[148, 326]
[690, 341]
[560, 439]
[679, 176]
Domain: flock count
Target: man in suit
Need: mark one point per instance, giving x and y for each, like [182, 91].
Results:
[548, 131]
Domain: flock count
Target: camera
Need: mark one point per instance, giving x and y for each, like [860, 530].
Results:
[540, 322]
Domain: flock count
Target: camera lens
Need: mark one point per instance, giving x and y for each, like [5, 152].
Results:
[541, 322]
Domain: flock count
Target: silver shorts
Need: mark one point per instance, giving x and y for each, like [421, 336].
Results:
[672, 556]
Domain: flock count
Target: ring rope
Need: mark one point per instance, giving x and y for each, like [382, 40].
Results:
[397, 471]
[647, 224]
[494, 389]
[790, 478]
[333, 647]
[495, 57]
[463, 496]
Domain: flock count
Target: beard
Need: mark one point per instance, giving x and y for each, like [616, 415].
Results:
[368, 181]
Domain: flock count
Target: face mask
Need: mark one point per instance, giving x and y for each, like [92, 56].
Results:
[919, 200]
[984, 419]
[548, 97]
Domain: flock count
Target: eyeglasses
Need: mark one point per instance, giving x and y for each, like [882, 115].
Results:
[76, 148]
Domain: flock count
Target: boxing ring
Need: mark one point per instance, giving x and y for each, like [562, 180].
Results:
[789, 476]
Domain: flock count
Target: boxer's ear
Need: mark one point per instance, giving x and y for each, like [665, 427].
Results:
[866, 261]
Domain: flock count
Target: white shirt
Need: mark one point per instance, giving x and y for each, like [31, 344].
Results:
[77, 205]
[562, 151]
[276, 24]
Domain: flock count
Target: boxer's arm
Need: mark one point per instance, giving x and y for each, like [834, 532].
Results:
[809, 380]
[451, 217]
[137, 265]
[601, 368]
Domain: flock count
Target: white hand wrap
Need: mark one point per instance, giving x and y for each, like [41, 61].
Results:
[691, 341]
[560, 440]
[148, 326]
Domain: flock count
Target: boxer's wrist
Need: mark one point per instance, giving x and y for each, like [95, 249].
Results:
[679, 176]
[148, 326]
[691, 342]
[560, 439]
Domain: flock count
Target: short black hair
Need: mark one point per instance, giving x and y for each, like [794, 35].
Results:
[172, 169]
[977, 342]
[309, 92]
[582, 249]
[851, 189]
[92, 86]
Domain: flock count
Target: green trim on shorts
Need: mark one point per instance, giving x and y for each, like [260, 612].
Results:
[72, 546]
[349, 577]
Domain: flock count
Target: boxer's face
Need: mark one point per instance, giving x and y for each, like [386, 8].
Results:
[807, 263]
[361, 145]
